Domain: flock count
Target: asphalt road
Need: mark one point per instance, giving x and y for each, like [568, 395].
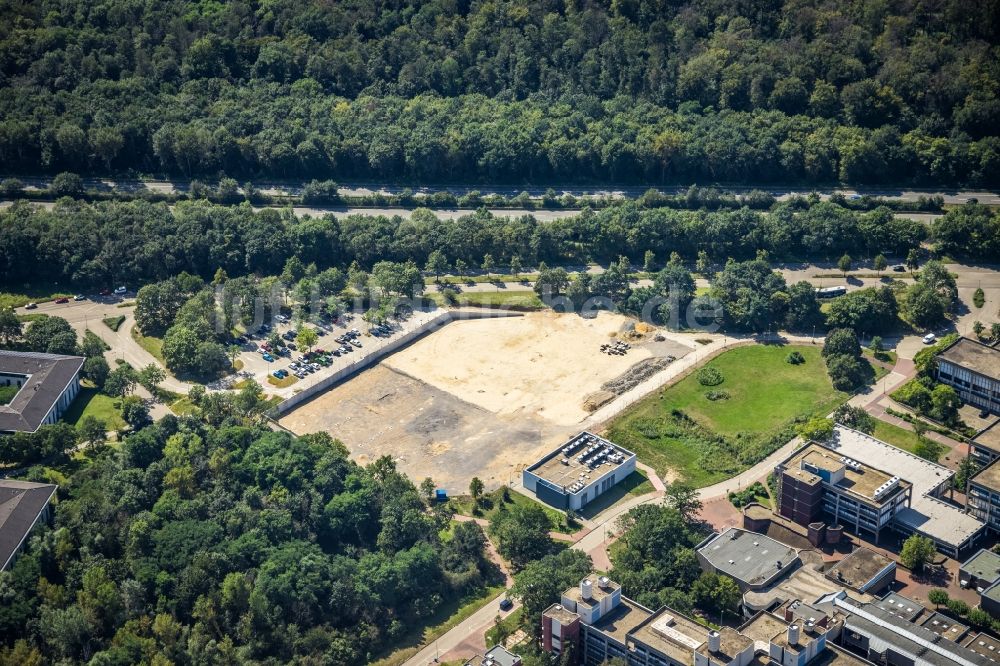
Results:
[362, 188]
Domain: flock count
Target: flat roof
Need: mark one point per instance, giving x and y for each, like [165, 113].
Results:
[989, 437]
[560, 613]
[861, 480]
[859, 568]
[597, 593]
[985, 565]
[932, 517]
[763, 627]
[983, 645]
[974, 356]
[583, 458]
[497, 655]
[748, 556]
[622, 620]
[989, 476]
[48, 375]
[944, 626]
[20, 504]
[897, 604]
[673, 634]
[731, 643]
[805, 583]
[992, 592]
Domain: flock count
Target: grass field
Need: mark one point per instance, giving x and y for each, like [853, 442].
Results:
[39, 294]
[765, 394]
[635, 484]
[898, 437]
[281, 383]
[522, 299]
[7, 393]
[153, 345]
[491, 503]
[114, 323]
[90, 402]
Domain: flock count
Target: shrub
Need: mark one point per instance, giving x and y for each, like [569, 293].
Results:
[795, 358]
[717, 395]
[709, 376]
[979, 298]
[958, 607]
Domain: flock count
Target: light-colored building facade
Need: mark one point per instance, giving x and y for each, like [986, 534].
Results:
[973, 370]
[583, 469]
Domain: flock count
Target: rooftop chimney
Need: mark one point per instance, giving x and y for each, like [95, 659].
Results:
[714, 641]
[793, 634]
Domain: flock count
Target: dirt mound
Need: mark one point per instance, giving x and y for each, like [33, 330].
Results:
[594, 401]
[637, 374]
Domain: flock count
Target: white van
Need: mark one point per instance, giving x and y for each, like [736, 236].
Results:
[929, 339]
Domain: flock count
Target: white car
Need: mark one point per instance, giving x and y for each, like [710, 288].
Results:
[121, 290]
[929, 339]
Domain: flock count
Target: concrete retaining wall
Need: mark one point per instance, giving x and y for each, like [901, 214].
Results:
[437, 321]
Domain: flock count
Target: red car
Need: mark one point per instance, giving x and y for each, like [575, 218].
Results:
[62, 300]
[105, 292]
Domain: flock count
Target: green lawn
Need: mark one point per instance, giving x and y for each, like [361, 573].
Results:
[114, 323]
[491, 503]
[765, 395]
[635, 484]
[7, 393]
[39, 294]
[765, 391]
[90, 402]
[898, 437]
[524, 299]
[153, 345]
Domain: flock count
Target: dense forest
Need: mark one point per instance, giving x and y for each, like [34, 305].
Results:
[506, 90]
[229, 543]
[136, 242]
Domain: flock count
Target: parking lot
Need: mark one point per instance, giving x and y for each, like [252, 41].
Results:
[288, 368]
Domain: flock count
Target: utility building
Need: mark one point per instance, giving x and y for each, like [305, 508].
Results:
[578, 472]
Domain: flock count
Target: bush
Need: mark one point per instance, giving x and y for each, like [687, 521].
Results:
[66, 184]
[709, 376]
[979, 298]
[847, 372]
[795, 358]
[717, 395]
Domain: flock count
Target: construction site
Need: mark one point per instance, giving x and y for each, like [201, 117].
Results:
[485, 397]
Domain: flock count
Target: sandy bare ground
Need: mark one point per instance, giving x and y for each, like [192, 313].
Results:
[543, 363]
[476, 398]
[428, 432]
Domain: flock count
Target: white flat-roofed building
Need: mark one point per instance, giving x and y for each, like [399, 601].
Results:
[952, 530]
[578, 472]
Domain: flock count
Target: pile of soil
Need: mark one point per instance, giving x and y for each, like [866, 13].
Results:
[637, 374]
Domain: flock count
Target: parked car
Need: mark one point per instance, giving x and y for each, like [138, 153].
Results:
[291, 345]
[79, 297]
[120, 290]
[62, 300]
[105, 292]
[929, 339]
[356, 343]
[899, 268]
[268, 358]
[31, 306]
[506, 604]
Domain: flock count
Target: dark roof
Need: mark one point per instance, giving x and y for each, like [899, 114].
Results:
[974, 356]
[20, 504]
[886, 630]
[48, 376]
[859, 568]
